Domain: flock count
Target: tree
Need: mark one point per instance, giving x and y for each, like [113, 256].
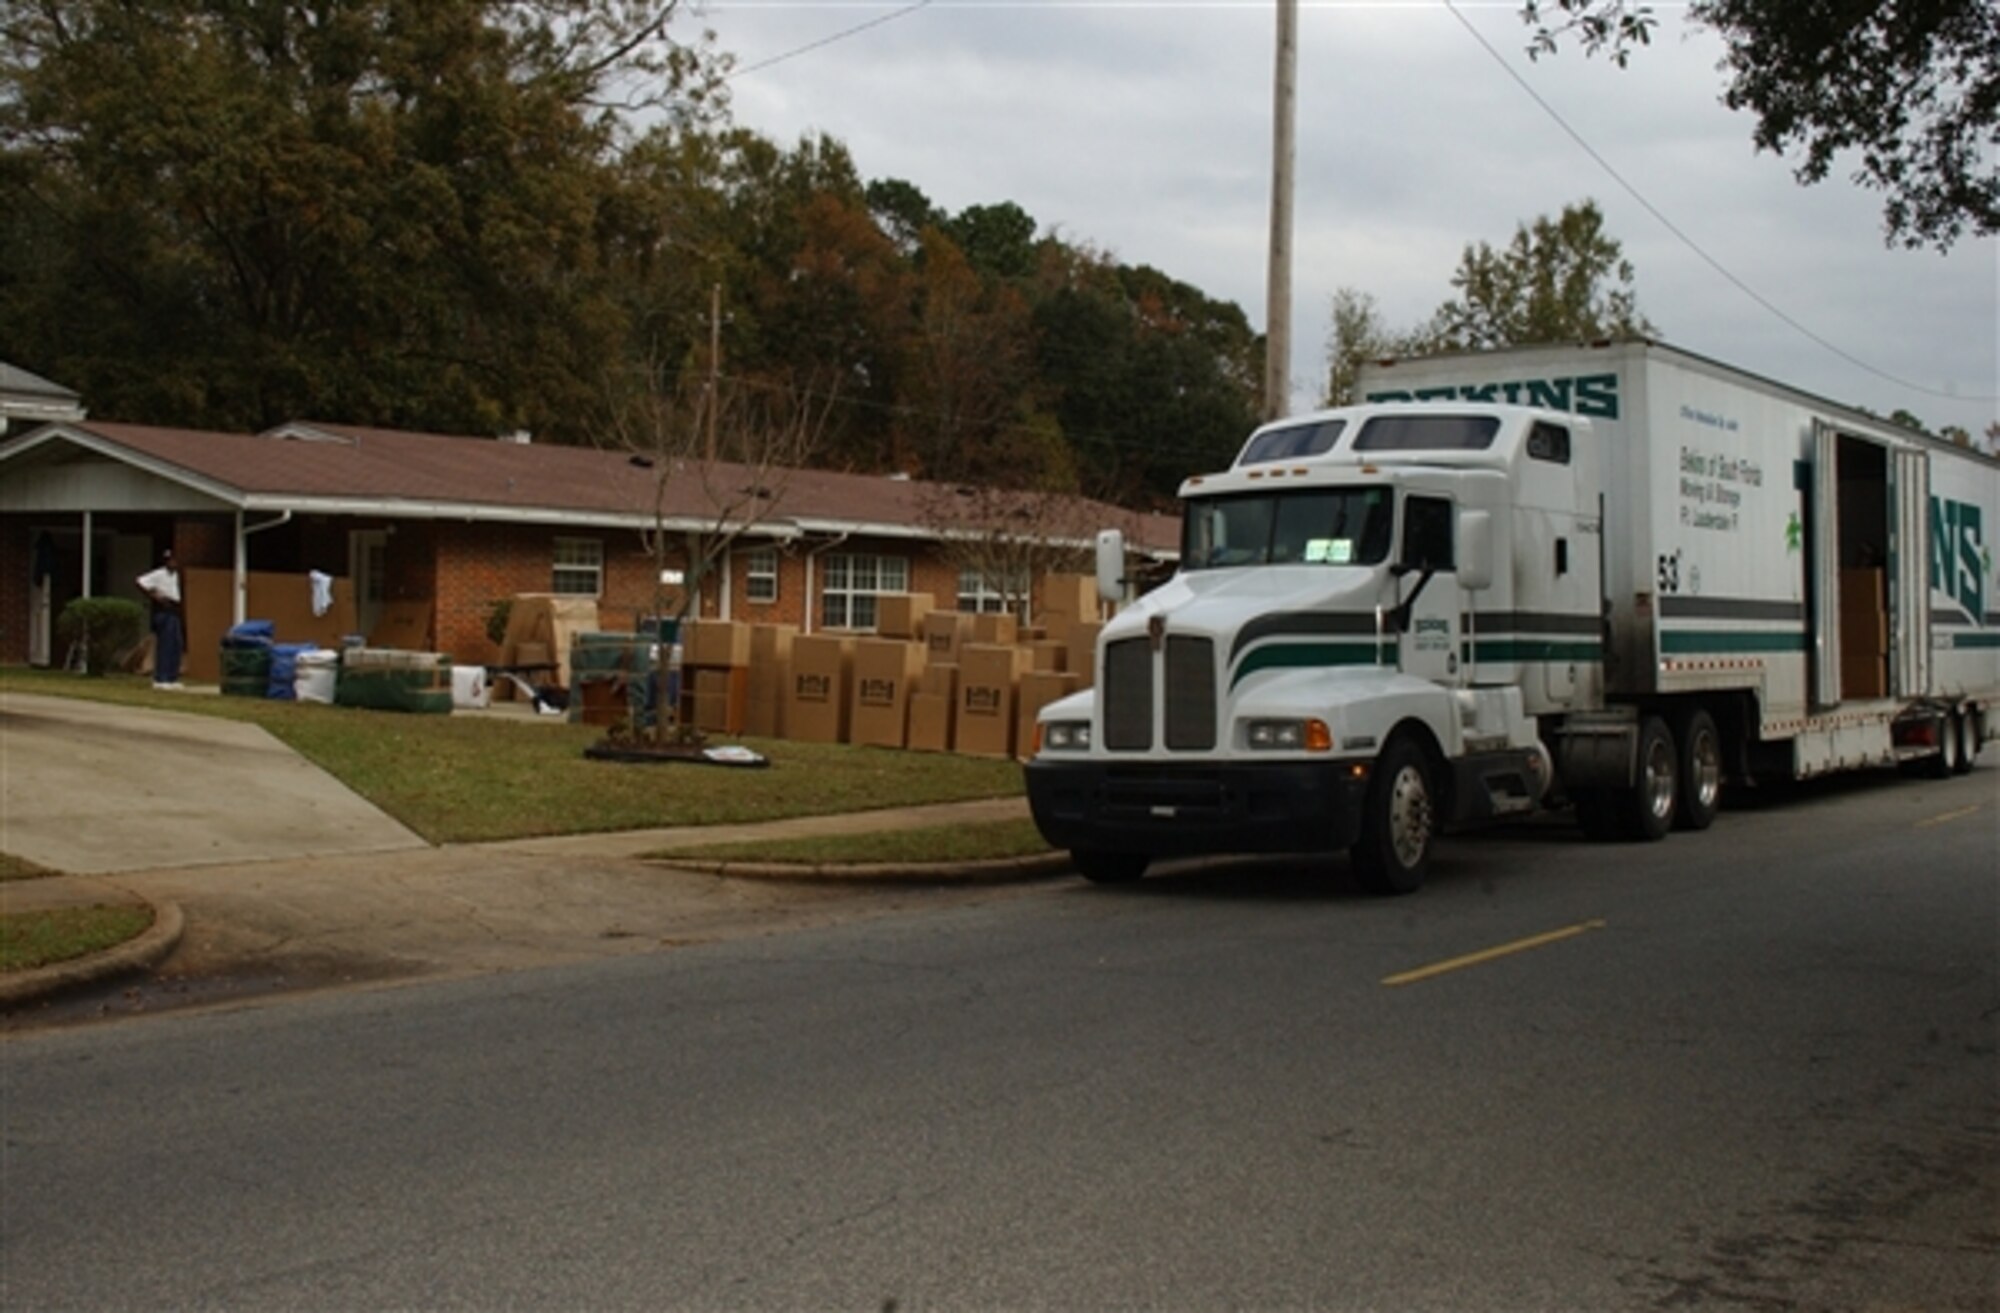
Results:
[1911, 91]
[1358, 336]
[233, 213]
[1561, 280]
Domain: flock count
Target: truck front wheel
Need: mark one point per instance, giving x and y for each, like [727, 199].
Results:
[1398, 822]
[1108, 868]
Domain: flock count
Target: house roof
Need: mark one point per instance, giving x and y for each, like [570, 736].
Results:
[345, 469]
[30, 396]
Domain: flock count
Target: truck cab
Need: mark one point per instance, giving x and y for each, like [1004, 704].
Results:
[1373, 607]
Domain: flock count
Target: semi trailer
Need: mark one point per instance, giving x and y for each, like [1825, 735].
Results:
[1608, 578]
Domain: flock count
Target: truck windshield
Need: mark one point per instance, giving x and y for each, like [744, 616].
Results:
[1306, 526]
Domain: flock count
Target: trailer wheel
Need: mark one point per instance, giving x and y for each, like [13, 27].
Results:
[1648, 806]
[1700, 772]
[1945, 763]
[1965, 728]
[1398, 822]
[1108, 868]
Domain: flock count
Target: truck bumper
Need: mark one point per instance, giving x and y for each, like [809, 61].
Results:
[1173, 809]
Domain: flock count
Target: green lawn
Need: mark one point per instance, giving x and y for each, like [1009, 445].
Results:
[459, 779]
[33, 939]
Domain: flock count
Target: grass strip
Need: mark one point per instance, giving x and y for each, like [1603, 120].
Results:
[468, 779]
[992, 841]
[33, 939]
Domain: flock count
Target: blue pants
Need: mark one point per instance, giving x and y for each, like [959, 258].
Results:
[167, 645]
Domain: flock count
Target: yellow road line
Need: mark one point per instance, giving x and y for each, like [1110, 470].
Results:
[1950, 816]
[1489, 954]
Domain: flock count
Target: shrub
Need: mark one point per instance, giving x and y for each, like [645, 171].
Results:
[105, 627]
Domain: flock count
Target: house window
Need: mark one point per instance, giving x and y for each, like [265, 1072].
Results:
[852, 582]
[579, 567]
[761, 571]
[994, 590]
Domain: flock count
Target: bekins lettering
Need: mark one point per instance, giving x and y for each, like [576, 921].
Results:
[1592, 395]
[1958, 555]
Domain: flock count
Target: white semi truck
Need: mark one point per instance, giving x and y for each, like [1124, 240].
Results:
[1611, 578]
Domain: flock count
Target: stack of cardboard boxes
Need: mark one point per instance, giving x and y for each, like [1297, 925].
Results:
[935, 681]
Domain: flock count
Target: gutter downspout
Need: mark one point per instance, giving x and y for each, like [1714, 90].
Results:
[828, 545]
[241, 607]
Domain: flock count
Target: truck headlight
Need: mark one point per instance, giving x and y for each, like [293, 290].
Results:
[1288, 736]
[1066, 736]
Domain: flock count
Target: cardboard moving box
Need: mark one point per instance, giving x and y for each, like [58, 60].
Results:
[930, 722]
[988, 674]
[885, 674]
[721, 700]
[717, 643]
[945, 632]
[995, 627]
[901, 615]
[770, 672]
[816, 697]
[1068, 600]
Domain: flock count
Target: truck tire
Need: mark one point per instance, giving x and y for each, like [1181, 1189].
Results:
[1648, 807]
[1944, 764]
[1700, 792]
[1965, 727]
[1108, 868]
[1398, 822]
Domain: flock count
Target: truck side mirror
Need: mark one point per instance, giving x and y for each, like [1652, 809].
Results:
[1111, 566]
[1475, 550]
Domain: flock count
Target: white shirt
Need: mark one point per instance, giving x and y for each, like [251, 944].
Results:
[162, 583]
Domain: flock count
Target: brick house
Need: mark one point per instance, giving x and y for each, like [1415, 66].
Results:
[432, 531]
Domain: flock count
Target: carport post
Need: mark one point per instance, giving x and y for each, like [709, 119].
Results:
[239, 602]
[86, 553]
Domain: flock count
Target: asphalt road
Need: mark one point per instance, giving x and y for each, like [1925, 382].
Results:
[1752, 1069]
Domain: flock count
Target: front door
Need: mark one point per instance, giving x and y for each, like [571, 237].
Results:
[1429, 643]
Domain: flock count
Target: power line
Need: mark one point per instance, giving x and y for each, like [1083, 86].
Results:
[1688, 241]
[825, 41]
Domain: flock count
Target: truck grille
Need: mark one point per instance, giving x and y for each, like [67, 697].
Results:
[1128, 696]
[1128, 680]
[1190, 694]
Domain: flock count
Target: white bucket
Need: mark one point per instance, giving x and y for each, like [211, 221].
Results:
[468, 687]
[315, 676]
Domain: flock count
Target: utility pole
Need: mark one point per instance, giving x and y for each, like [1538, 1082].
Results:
[1278, 287]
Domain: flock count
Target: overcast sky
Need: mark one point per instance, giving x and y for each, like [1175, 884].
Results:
[1144, 130]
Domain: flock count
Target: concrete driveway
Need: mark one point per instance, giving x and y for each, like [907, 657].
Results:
[96, 789]
[289, 881]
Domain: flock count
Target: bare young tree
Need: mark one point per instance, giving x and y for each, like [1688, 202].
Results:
[719, 454]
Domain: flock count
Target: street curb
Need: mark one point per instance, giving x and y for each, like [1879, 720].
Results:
[996, 871]
[142, 952]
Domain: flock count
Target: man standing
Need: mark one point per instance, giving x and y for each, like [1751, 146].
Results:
[163, 587]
